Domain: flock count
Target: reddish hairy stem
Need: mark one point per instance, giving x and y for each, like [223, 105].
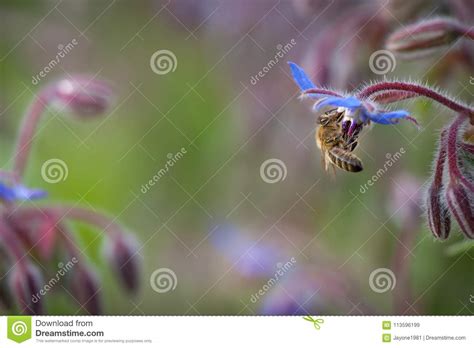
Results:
[392, 96]
[6, 175]
[101, 221]
[27, 130]
[66, 236]
[368, 91]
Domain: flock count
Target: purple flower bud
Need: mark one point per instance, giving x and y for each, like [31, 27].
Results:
[85, 288]
[25, 283]
[461, 207]
[6, 299]
[424, 36]
[124, 257]
[82, 96]
[439, 219]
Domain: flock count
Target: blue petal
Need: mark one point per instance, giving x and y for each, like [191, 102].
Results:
[388, 117]
[20, 193]
[316, 95]
[300, 77]
[6, 193]
[23, 193]
[349, 102]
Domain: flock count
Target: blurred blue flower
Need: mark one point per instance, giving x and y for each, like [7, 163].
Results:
[20, 193]
[251, 258]
[298, 293]
[357, 110]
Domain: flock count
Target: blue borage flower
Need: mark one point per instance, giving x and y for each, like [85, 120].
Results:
[20, 193]
[355, 110]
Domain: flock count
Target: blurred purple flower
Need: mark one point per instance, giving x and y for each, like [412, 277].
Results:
[297, 294]
[251, 258]
[305, 290]
[406, 200]
[421, 38]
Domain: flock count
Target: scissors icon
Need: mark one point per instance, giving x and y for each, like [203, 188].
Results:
[316, 322]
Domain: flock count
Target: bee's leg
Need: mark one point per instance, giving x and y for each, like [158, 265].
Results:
[337, 139]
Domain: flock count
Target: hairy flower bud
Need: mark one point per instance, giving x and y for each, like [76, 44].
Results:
[439, 218]
[82, 96]
[124, 258]
[6, 298]
[424, 36]
[85, 288]
[25, 283]
[462, 208]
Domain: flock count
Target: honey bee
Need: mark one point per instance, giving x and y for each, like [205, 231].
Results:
[337, 146]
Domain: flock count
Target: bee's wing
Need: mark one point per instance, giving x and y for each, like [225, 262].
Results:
[326, 164]
[323, 160]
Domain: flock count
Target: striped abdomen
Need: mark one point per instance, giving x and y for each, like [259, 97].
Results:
[345, 160]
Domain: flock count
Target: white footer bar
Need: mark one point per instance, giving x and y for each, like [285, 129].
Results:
[243, 331]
